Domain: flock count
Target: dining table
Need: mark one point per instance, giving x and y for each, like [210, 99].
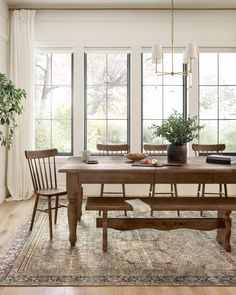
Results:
[118, 169]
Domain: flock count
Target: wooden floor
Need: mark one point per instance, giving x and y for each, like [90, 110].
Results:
[13, 213]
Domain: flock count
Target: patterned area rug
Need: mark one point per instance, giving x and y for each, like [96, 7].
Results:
[139, 257]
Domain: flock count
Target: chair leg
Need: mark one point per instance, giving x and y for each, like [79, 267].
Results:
[175, 188]
[153, 189]
[34, 211]
[56, 209]
[124, 195]
[123, 190]
[150, 191]
[199, 190]
[102, 190]
[220, 190]
[171, 190]
[153, 194]
[225, 189]
[50, 217]
[176, 195]
[101, 195]
[203, 194]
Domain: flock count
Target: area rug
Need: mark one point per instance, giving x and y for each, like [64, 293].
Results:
[138, 257]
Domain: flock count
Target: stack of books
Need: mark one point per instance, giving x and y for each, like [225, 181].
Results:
[221, 159]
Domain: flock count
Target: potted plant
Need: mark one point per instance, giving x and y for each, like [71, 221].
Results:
[178, 131]
[10, 106]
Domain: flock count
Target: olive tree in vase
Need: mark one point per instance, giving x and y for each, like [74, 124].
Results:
[178, 131]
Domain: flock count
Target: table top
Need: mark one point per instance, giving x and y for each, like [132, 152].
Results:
[121, 164]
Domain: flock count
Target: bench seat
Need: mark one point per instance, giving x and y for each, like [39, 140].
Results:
[222, 223]
[163, 203]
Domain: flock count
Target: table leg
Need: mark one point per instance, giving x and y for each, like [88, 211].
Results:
[79, 202]
[224, 234]
[72, 195]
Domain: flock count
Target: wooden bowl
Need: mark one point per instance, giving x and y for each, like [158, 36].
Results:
[134, 157]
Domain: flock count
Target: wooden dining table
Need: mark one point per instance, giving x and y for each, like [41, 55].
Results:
[116, 170]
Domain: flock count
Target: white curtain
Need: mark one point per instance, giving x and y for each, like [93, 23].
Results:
[21, 74]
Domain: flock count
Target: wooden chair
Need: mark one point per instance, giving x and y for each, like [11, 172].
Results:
[204, 150]
[112, 150]
[159, 150]
[42, 167]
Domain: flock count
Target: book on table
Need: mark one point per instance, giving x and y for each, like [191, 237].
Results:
[221, 159]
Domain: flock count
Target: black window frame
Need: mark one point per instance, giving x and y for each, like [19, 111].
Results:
[71, 153]
[128, 99]
[218, 85]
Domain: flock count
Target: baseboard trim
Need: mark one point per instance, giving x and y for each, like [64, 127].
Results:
[3, 193]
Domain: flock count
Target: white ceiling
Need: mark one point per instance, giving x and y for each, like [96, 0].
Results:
[194, 4]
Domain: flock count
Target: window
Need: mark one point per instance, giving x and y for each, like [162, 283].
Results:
[106, 98]
[217, 98]
[53, 101]
[161, 95]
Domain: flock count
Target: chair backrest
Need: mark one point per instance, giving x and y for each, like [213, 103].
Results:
[155, 149]
[206, 149]
[42, 167]
[113, 149]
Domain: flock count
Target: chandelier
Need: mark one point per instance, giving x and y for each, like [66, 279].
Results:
[190, 53]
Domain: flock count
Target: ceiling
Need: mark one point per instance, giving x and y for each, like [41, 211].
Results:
[102, 4]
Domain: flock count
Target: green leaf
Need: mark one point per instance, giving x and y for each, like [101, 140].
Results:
[10, 107]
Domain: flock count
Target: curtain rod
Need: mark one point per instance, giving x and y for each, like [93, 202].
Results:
[120, 9]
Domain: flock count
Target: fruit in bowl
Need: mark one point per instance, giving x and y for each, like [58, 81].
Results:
[135, 156]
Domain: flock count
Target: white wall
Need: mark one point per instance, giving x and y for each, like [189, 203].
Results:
[137, 29]
[3, 69]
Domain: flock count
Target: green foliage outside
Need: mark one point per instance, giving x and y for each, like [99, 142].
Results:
[10, 106]
[178, 130]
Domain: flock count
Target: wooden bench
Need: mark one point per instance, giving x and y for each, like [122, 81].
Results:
[222, 223]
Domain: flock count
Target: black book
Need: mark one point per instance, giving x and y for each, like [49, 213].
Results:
[221, 159]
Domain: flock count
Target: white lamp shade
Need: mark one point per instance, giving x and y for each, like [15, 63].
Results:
[157, 61]
[156, 53]
[191, 51]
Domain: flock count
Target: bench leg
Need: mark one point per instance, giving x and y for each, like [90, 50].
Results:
[104, 231]
[224, 234]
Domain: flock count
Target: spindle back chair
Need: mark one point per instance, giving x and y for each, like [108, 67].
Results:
[207, 149]
[112, 150]
[204, 150]
[159, 150]
[42, 166]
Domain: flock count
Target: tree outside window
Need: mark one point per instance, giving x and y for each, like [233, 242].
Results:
[53, 101]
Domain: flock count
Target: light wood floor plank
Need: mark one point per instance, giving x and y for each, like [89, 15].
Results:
[12, 215]
[139, 290]
[12, 291]
[54, 291]
[33, 291]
